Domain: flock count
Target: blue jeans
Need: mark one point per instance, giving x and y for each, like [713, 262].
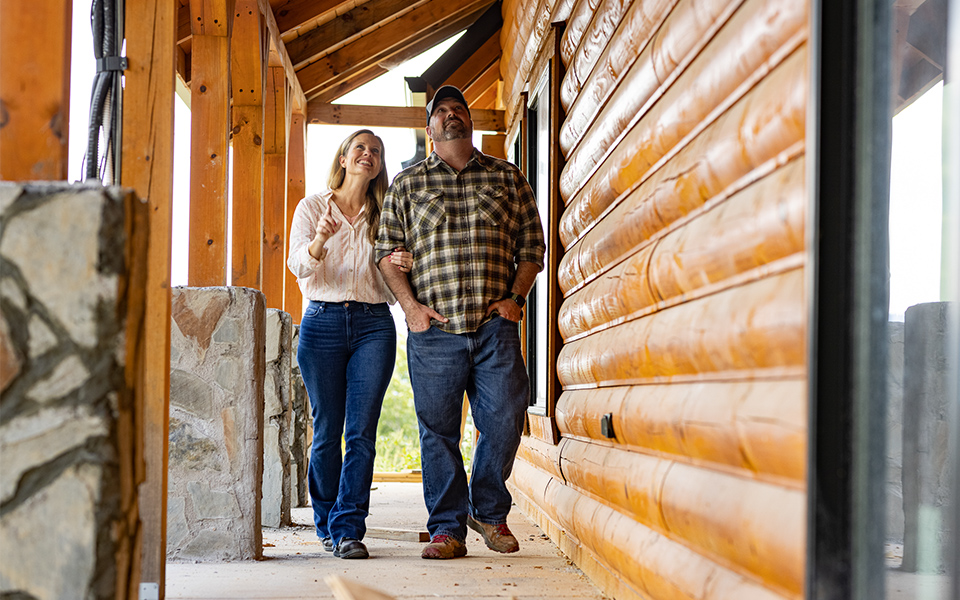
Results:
[488, 366]
[346, 356]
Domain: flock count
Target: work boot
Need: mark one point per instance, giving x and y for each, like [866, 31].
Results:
[498, 537]
[443, 546]
[351, 548]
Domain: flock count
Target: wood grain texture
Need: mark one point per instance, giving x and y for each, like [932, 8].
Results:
[35, 89]
[296, 189]
[741, 332]
[758, 128]
[754, 428]
[210, 122]
[246, 235]
[664, 102]
[721, 247]
[147, 168]
[652, 563]
[274, 189]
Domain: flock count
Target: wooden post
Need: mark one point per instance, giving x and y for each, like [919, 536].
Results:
[34, 89]
[274, 186]
[148, 168]
[247, 66]
[210, 120]
[296, 189]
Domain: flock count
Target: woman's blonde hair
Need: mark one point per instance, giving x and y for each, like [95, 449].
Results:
[377, 188]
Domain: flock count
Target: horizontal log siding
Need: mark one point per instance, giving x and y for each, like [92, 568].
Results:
[620, 149]
[684, 312]
[652, 565]
[734, 241]
[605, 21]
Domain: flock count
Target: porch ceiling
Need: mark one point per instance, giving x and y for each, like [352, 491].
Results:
[334, 46]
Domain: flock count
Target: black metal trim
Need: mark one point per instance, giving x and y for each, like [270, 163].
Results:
[848, 133]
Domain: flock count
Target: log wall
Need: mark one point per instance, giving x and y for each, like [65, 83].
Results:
[682, 270]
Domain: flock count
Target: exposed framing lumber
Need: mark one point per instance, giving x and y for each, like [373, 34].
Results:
[477, 65]
[473, 47]
[276, 123]
[148, 169]
[412, 117]
[275, 40]
[360, 20]
[296, 189]
[482, 84]
[247, 72]
[383, 66]
[35, 89]
[292, 13]
[369, 50]
[210, 116]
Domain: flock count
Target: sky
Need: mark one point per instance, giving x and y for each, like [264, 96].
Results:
[915, 186]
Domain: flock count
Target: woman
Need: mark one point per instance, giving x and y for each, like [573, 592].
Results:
[347, 336]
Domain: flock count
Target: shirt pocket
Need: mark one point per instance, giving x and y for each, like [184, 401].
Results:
[428, 210]
[494, 204]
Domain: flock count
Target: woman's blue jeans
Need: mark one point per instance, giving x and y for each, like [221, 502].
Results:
[488, 366]
[346, 355]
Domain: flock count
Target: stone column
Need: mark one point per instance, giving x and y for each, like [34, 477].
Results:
[302, 437]
[217, 354]
[894, 486]
[72, 266]
[275, 509]
[926, 443]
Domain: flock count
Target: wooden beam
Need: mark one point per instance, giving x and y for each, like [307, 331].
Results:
[485, 80]
[274, 187]
[296, 189]
[34, 89]
[290, 14]
[413, 49]
[247, 72]
[297, 100]
[147, 167]
[210, 119]
[473, 44]
[362, 19]
[210, 115]
[411, 117]
[476, 64]
[371, 49]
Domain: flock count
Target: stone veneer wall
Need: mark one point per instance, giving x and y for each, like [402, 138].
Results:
[72, 267]
[217, 359]
[277, 436]
[302, 436]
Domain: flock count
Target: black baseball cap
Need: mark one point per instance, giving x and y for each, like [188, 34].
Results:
[446, 91]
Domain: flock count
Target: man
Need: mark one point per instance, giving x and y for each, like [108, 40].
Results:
[472, 224]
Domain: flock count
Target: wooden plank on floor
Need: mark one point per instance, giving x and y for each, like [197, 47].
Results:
[35, 89]
[403, 476]
[400, 535]
[345, 589]
[147, 167]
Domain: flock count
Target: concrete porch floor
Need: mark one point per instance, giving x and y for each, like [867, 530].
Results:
[295, 564]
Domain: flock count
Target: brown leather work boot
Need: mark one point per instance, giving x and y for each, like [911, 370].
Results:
[497, 537]
[443, 546]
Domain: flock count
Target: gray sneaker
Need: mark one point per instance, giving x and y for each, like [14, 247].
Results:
[497, 537]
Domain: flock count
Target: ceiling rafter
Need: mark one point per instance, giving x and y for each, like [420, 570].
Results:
[369, 50]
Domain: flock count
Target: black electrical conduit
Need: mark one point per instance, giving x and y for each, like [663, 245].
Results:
[106, 20]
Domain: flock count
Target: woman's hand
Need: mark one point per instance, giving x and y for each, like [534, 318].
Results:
[402, 259]
[326, 227]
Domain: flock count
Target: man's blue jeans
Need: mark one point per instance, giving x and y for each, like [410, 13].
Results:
[488, 366]
[346, 356]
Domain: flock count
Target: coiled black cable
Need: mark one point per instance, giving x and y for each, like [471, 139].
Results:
[106, 23]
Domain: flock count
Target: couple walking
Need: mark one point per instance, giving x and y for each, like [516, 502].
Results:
[455, 239]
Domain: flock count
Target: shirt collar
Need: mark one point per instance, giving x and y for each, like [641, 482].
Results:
[434, 161]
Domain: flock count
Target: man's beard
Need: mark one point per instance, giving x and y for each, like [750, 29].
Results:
[453, 130]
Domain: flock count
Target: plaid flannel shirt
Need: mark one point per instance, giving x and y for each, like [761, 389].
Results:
[466, 231]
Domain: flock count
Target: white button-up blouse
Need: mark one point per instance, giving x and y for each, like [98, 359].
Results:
[347, 272]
